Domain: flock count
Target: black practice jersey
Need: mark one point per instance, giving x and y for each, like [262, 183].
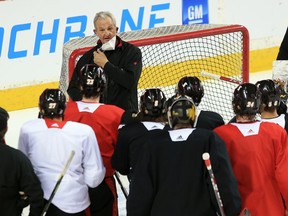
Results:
[171, 178]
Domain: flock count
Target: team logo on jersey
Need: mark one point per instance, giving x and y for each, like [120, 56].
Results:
[250, 131]
[55, 125]
[86, 109]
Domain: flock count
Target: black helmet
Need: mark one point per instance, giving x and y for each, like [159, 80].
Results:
[192, 87]
[182, 110]
[152, 102]
[246, 99]
[92, 80]
[52, 103]
[270, 93]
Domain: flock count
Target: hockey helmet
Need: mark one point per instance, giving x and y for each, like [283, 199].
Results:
[246, 99]
[192, 87]
[52, 102]
[181, 111]
[152, 102]
[270, 93]
[91, 79]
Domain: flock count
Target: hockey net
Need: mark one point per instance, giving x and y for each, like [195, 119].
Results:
[171, 52]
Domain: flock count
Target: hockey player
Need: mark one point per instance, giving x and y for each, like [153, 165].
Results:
[270, 102]
[48, 142]
[258, 154]
[105, 120]
[170, 177]
[17, 174]
[192, 87]
[132, 136]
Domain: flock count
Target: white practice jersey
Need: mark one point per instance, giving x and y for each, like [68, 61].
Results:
[48, 144]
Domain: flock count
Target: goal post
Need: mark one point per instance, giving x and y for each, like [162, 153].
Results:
[171, 52]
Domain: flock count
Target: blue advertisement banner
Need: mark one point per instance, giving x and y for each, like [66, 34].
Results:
[195, 12]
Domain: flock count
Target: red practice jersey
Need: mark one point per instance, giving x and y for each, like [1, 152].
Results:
[104, 120]
[258, 154]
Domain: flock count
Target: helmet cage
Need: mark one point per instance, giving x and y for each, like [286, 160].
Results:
[181, 111]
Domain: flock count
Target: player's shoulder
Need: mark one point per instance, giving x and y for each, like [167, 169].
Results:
[209, 120]
[109, 110]
[70, 107]
[224, 128]
[78, 129]
[77, 125]
[70, 103]
[211, 114]
[134, 128]
[202, 133]
[271, 130]
[12, 152]
[33, 125]
[157, 136]
[132, 124]
[111, 107]
[269, 125]
[6, 148]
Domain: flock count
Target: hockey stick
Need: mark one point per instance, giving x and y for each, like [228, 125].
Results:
[218, 77]
[58, 183]
[206, 158]
[121, 185]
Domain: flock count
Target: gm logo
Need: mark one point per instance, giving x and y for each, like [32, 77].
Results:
[195, 12]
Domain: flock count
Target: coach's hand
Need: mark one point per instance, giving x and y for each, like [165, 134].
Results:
[100, 58]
